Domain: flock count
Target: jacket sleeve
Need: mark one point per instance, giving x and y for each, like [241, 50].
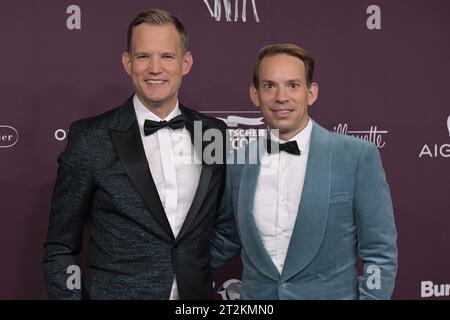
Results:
[69, 212]
[224, 238]
[376, 231]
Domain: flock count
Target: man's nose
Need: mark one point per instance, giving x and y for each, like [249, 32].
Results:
[154, 65]
[281, 95]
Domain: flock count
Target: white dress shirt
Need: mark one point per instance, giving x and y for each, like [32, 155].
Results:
[278, 193]
[174, 166]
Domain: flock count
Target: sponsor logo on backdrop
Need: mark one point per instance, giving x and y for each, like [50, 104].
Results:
[373, 135]
[244, 126]
[60, 134]
[448, 125]
[436, 150]
[228, 8]
[235, 121]
[429, 289]
[230, 290]
[8, 136]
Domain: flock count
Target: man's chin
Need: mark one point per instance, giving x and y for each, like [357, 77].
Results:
[155, 101]
[281, 127]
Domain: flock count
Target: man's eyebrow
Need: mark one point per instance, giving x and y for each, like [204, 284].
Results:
[149, 54]
[294, 80]
[141, 53]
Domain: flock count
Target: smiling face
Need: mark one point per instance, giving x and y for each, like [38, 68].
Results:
[156, 65]
[283, 95]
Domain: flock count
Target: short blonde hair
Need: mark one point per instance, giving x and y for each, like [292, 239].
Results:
[158, 17]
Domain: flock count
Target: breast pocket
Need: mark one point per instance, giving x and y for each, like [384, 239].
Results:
[339, 197]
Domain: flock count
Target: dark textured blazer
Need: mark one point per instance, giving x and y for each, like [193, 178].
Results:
[104, 182]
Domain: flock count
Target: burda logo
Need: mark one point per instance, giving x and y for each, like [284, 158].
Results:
[437, 150]
[429, 289]
[8, 136]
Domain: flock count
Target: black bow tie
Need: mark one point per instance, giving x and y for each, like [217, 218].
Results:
[289, 147]
[151, 126]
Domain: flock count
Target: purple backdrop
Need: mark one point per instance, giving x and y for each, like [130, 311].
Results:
[388, 84]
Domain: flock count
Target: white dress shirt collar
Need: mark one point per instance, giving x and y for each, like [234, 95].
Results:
[143, 113]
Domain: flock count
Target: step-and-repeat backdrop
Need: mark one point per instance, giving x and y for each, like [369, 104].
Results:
[384, 73]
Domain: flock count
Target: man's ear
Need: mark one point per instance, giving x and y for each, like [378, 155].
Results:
[254, 95]
[313, 93]
[126, 62]
[187, 63]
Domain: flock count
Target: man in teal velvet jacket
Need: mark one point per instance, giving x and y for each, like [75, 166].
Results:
[304, 204]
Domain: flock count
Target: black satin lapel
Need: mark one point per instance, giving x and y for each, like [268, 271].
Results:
[207, 170]
[132, 155]
[203, 185]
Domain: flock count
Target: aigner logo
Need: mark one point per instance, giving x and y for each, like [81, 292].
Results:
[436, 150]
[8, 136]
[217, 12]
